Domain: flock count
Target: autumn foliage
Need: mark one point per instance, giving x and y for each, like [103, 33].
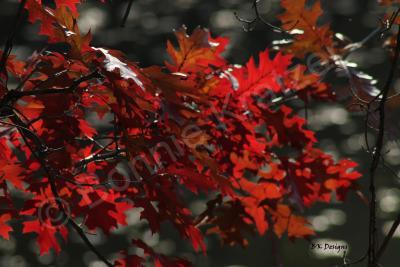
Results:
[197, 124]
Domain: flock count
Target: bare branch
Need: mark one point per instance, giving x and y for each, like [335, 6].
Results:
[127, 12]
[377, 152]
[9, 43]
[102, 157]
[388, 237]
[257, 18]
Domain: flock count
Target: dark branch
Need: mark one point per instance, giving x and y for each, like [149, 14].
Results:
[127, 12]
[257, 18]
[113, 155]
[388, 237]
[14, 95]
[9, 43]
[40, 155]
[377, 152]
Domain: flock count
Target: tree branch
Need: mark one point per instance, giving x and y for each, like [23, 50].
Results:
[14, 95]
[99, 157]
[127, 12]
[9, 43]
[258, 18]
[388, 237]
[372, 256]
[41, 158]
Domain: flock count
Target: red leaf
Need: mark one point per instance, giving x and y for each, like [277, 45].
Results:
[46, 238]
[255, 80]
[4, 228]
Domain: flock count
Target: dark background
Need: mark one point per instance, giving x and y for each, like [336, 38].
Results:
[148, 27]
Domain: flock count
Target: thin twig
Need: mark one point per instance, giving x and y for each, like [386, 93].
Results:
[372, 260]
[388, 237]
[101, 157]
[347, 264]
[258, 18]
[14, 95]
[127, 12]
[9, 43]
[40, 156]
[274, 245]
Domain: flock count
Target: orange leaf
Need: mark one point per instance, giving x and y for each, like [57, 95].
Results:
[196, 52]
[302, 21]
[285, 221]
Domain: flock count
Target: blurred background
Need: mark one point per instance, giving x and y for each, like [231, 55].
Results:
[143, 39]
